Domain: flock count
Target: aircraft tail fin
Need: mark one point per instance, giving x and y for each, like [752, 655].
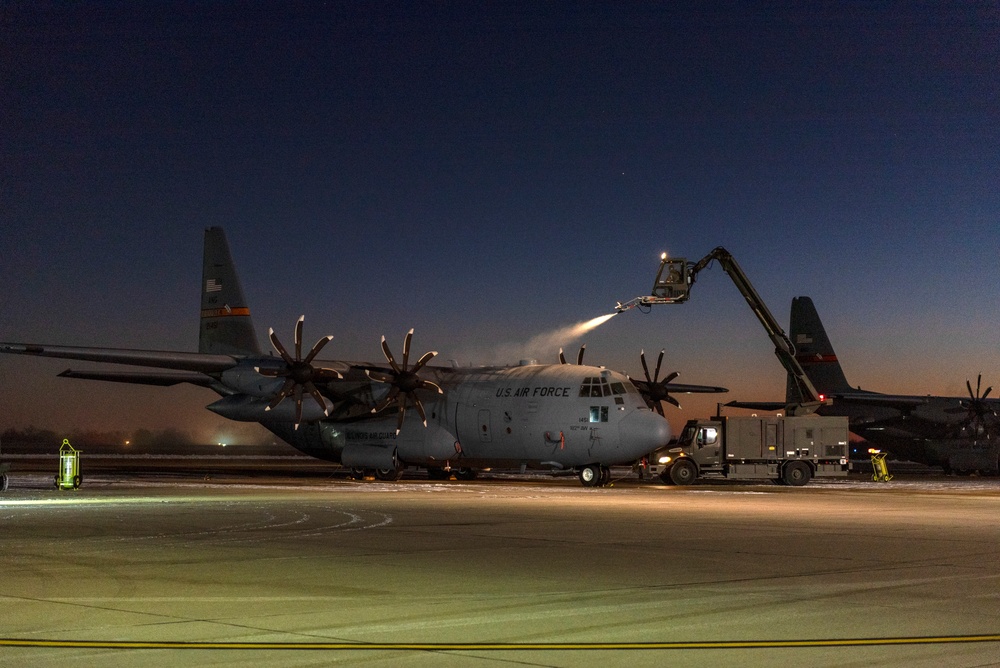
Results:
[226, 327]
[814, 352]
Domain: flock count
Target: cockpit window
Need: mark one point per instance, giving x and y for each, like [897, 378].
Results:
[596, 386]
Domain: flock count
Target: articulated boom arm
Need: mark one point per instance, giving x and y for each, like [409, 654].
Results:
[783, 347]
[673, 286]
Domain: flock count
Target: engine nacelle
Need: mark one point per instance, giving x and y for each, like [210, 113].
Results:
[243, 408]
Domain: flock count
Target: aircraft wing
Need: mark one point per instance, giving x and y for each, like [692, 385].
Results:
[897, 401]
[679, 388]
[162, 378]
[198, 362]
[759, 405]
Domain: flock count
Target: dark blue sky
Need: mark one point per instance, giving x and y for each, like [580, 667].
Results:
[487, 172]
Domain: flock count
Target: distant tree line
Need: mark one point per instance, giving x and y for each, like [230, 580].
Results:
[140, 438]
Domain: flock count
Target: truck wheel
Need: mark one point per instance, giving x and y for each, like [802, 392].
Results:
[796, 474]
[591, 475]
[683, 472]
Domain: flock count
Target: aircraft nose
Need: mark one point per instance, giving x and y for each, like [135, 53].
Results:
[644, 431]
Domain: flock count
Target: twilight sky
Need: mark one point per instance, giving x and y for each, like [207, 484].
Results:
[487, 172]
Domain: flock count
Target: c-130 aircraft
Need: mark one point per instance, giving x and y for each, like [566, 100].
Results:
[384, 417]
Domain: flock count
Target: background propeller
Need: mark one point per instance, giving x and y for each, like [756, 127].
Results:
[977, 410]
[404, 380]
[299, 373]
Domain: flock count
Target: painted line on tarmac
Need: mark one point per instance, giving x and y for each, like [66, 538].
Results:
[499, 647]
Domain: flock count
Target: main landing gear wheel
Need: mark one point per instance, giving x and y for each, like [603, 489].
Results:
[796, 474]
[389, 474]
[594, 475]
[683, 472]
[605, 475]
[466, 474]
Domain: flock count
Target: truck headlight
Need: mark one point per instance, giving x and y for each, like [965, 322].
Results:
[665, 459]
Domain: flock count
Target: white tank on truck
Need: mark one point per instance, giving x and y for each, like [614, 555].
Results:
[790, 450]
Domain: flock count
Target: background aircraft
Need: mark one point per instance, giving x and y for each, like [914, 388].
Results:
[383, 417]
[957, 433]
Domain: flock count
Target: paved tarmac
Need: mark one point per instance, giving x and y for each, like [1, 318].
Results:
[278, 570]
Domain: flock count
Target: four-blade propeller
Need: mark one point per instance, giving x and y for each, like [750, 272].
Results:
[404, 380]
[299, 373]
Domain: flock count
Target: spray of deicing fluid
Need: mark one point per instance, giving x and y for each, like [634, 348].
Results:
[545, 346]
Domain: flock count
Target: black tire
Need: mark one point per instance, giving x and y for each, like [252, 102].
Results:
[796, 474]
[605, 475]
[466, 474]
[590, 475]
[4, 482]
[683, 472]
[77, 481]
[389, 475]
[665, 478]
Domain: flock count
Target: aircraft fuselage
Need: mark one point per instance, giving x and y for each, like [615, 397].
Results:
[539, 416]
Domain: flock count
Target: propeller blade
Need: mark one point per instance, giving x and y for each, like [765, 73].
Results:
[379, 376]
[311, 389]
[670, 377]
[431, 385]
[298, 337]
[298, 406]
[389, 399]
[969, 385]
[285, 390]
[427, 357]
[659, 361]
[562, 357]
[406, 348]
[402, 414]
[987, 392]
[278, 347]
[420, 410]
[388, 356]
[326, 373]
[645, 369]
[316, 348]
[670, 400]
